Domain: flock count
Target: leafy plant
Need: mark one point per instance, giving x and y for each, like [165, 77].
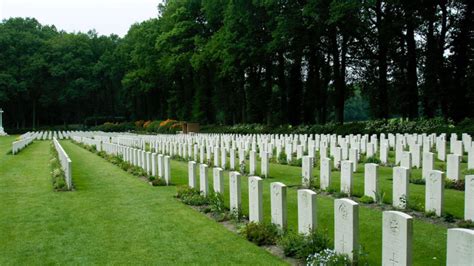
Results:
[372, 159]
[301, 246]
[466, 224]
[366, 199]
[328, 257]
[191, 196]
[260, 233]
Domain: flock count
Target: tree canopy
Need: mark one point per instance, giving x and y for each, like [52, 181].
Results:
[240, 61]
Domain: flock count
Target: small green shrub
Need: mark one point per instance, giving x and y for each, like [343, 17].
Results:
[448, 217]
[417, 180]
[430, 214]
[260, 233]
[366, 199]
[372, 159]
[340, 194]
[296, 162]
[457, 185]
[191, 196]
[282, 158]
[466, 224]
[301, 246]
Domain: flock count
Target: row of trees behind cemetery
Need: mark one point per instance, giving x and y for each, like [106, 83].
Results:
[240, 61]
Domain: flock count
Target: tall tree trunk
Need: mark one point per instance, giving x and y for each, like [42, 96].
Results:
[382, 88]
[412, 78]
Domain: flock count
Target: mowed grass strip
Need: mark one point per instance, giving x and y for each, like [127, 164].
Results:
[112, 218]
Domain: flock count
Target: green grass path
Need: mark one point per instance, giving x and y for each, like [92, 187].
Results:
[112, 218]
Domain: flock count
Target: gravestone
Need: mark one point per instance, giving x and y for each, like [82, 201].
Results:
[441, 148]
[223, 158]
[167, 164]
[218, 180]
[203, 181]
[353, 157]
[255, 199]
[278, 204]
[434, 192]
[252, 162]
[384, 152]
[2, 131]
[232, 159]
[192, 174]
[401, 177]
[460, 249]
[453, 162]
[307, 171]
[415, 151]
[346, 227]
[325, 173]
[154, 165]
[397, 235]
[406, 160]
[371, 180]
[265, 171]
[346, 177]
[470, 157]
[234, 192]
[337, 157]
[307, 216]
[161, 165]
[427, 164]
[469, 198]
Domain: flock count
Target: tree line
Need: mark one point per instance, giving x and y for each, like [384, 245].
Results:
[240, 61]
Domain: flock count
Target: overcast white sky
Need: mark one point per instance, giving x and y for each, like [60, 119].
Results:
[105, 16]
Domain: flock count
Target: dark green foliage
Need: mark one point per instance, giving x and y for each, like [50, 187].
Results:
[301, 246]
[265, 65]
[448, 217]
[372, 159]
[466, 224]
[261, 233]
[417, 180]
[366, 199]
[455, 184]
[296, 162]
[191, 196]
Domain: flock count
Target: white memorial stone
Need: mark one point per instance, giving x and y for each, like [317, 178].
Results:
[307, 216]
[346, 227]
[397, 234]
[401, 177]
[278, 204]
[255, 199]
[434, 192]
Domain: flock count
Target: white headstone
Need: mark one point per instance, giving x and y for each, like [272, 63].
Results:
[469, 198]
[307, 216]
[401, 178]
[192, 174]
[307, 171]
[218, 180]
[453, 162]
[203, 181]
[255, 199]
[371, 180]
[265, 166]
[252, 162]
[346, 227]
[346, 177]
[406, 160]
[278, 204]
[460, 249]
[434, 192]
[427, 165]
[234, 192]
[167, 164]
[325, 173]
[397, 234]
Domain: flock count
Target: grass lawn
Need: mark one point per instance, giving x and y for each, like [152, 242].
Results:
[429, 241]
[112, 218]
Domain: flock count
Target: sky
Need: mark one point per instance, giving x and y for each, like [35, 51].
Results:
[105, 16]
